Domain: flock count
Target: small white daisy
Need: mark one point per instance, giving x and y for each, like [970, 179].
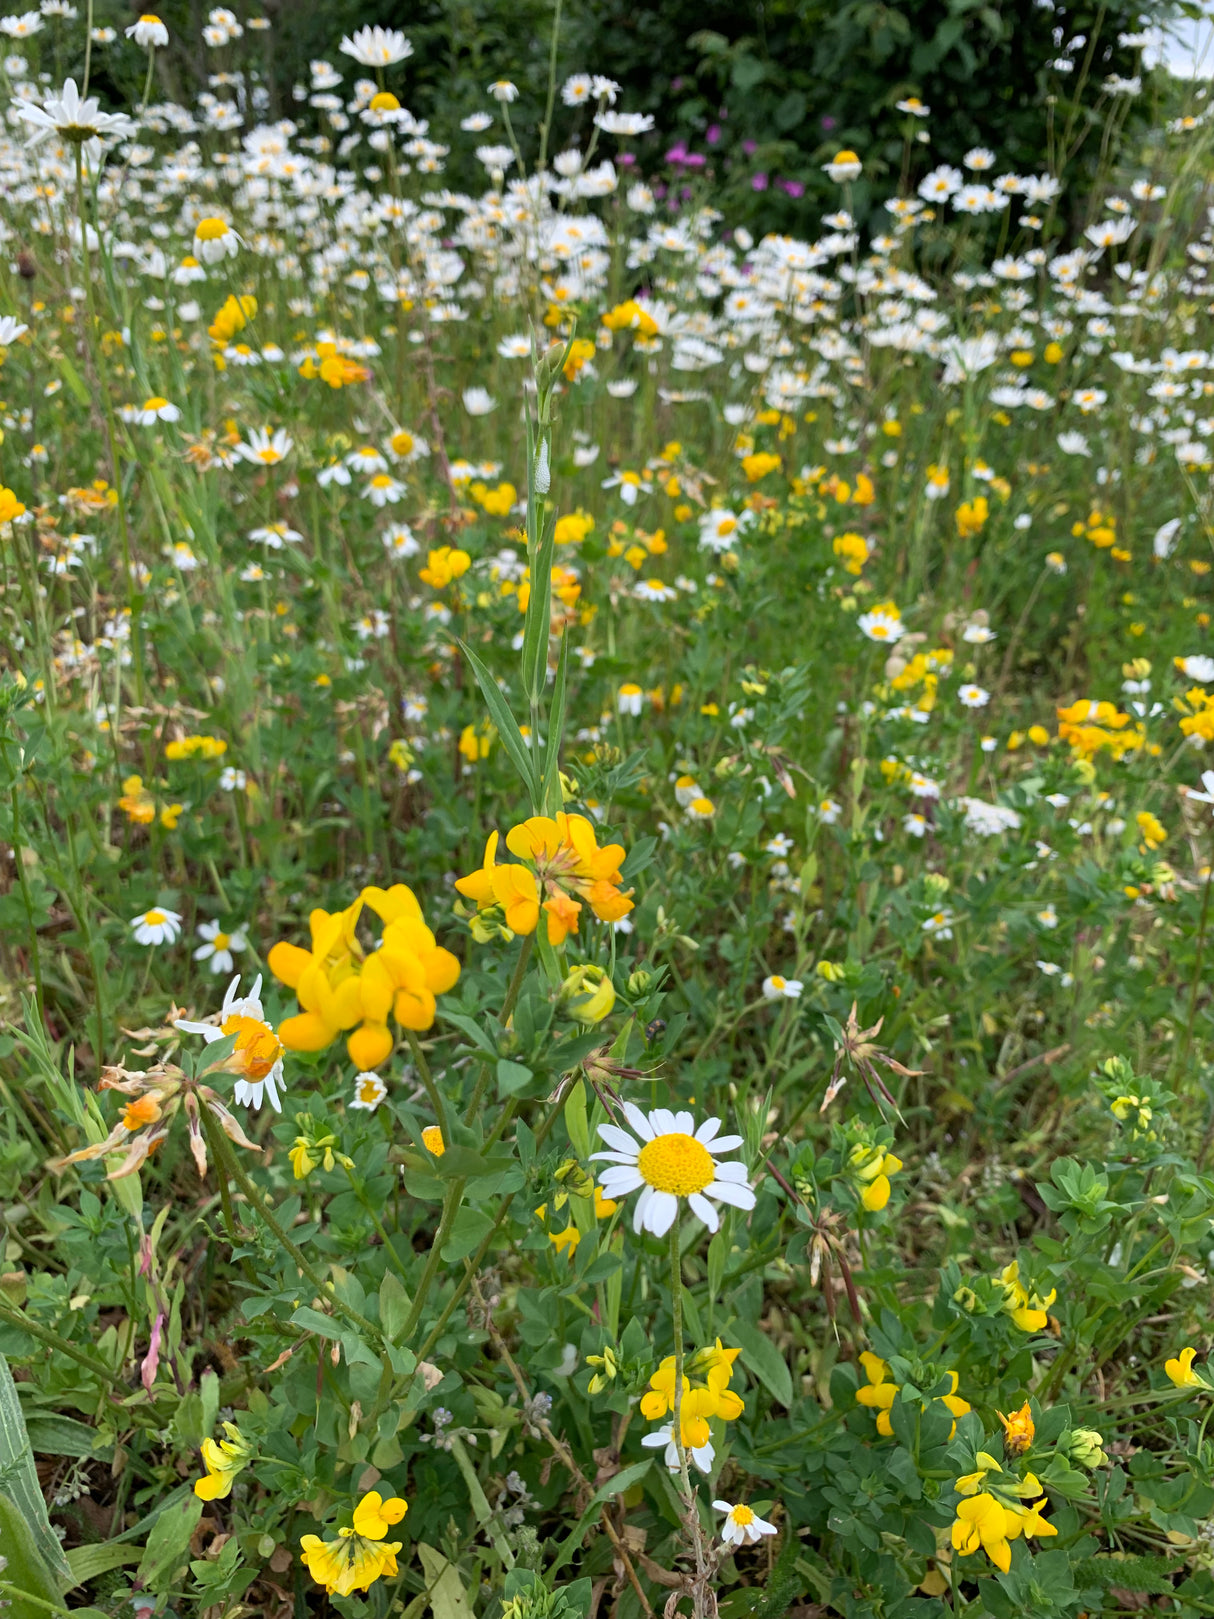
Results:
[667, 1160]
[217, 946]
[742, 1526]
[156, 927]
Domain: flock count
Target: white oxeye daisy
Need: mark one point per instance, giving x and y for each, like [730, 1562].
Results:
[257, 1055]
[215, 240]
[915, 824]
[881, 625]
[217, 946]
[398, 541]
[478, 401]
[156, 409]
[978, 634]
[156, 927]
[377, 47]
[369, 1092]
[149, 32]
[265, 448]
[974, 696]
[669, 1161]
[742, 1526]
[776, 988]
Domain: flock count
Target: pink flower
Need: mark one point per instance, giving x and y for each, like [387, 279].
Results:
[151, 1361]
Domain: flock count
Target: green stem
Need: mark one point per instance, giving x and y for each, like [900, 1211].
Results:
[229, 1163]
[512, 994]
[1196, 984]
[451, 1203]
[393, 1257]
[52, 1340]
[23, 879]
[427, 1079]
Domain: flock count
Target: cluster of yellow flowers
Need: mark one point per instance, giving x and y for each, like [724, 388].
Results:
[1090, 726]
[341, 987]
[196, 747]
[999, 1507]
[1196, 709]
[871, 1167]
[562, 861]
[705, 1394]
[880, 1392]
[139, 806]
[1030, 1311]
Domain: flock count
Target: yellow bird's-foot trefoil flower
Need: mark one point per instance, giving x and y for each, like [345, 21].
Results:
[361, 1554]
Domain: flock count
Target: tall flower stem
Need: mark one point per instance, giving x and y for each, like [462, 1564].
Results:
[703, 1602]
[1197, 965]
[229, 1164]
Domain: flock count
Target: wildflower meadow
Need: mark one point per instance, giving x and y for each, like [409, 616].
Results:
[606, 823]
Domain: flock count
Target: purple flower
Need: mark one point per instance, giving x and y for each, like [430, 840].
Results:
[795, 188]
[694, 160]
[758, 182]
[712, 134]
[676, 84]
[625, 159]
[750, 147]
[828, 122]
[677, 153]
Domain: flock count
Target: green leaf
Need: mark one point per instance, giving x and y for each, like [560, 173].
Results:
[468, 1230]
[538, 624]
[465, 1163]
[394, 1305]
[20, 1476]
[623, 1480]
[62, 1436]
[168, 1546]
[448, 1599]
[471, 1028]
[73, 379]
[324, 1326]
[86, 1562]
[504, 720]
[576, 1121]
[24, 1568]
[551, 799]
[512, 1077]
[760, 1356]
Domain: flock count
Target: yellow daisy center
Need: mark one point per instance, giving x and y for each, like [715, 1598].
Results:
[153, 918]
[676, 1163]
[210, 230]
[155, 403]
[742, 1516]
[221, 941]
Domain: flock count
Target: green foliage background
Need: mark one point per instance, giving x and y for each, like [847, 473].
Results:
[795, 79]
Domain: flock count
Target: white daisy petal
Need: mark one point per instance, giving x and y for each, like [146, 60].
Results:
[622, 1182]
[732, 1172]
[619, 1139]
[726, 1192]
[638, 1121]
[707, 1131]
[661, 1212]
[703, 1211]
[664, 1122]
[724, 1144]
